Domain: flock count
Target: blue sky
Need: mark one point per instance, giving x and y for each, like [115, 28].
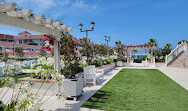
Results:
[133, 22]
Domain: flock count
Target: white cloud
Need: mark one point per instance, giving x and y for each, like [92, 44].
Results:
[37, 6]
[59, 8]
[63, 2]
[74, 8]
[79, 4]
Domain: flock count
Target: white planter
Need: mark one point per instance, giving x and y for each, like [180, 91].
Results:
[119, 63]
[73, 87]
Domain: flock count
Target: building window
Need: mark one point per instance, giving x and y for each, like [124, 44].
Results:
[10, 40]
[1, 48]
[26, 41]
[3, 39]
[30, 41]
[20, 41]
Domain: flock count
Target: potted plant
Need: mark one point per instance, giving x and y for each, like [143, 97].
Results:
[120, 50]
[73, 84]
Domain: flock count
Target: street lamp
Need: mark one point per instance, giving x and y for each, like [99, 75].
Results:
[13, 47]
[92, 25]
[80, 26]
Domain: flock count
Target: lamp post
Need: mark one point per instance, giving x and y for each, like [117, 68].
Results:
[92, 25]
[13, 49]
[80, 26]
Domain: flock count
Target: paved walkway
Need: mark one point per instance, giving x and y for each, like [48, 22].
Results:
[179, 75]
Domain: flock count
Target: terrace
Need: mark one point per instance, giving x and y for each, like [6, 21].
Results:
[80, 75]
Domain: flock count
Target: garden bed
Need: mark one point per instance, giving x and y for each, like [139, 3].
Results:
[140, 89]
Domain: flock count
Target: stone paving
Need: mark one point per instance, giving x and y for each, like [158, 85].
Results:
[179, 75]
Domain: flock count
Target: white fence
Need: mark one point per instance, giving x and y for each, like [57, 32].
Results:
[178, 50]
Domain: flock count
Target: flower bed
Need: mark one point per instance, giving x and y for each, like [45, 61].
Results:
[102, 61]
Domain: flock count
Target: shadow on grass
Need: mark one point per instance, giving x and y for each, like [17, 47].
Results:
[97, 98]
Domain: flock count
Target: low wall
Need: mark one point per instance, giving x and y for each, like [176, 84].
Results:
[107, 67]
[126, 64]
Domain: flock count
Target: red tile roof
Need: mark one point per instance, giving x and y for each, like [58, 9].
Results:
[3, 36]
[24, 32]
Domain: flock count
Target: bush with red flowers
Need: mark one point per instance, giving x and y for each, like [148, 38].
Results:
[47, 42]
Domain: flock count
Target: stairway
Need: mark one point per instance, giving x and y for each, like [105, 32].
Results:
[181, 61]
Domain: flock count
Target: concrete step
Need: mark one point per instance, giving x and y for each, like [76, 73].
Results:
[180, 61]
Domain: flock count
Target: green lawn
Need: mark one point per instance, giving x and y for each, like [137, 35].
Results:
[28, 67]
[140, 90]
[18, 76]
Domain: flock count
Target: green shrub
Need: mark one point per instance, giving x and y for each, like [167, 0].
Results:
[28, 67]
[101, 62]
[75, 68]
[159, 60]
[143, 58]
[124, 59]
[2, 106]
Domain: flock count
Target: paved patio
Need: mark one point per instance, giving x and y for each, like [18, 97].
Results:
[178, 75]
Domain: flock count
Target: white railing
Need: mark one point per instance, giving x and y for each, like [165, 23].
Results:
[179, 49]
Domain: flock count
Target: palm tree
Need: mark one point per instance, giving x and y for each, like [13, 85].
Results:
[152, 42]
[134, 51]
[120, 50]
[167, 49]
[182, 41]
[168, 46]
[179, 42]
